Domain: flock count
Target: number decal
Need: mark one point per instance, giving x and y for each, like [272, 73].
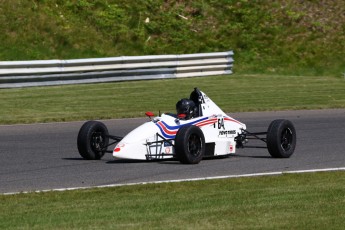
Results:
[220, 123]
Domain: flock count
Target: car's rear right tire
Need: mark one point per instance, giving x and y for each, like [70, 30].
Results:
[93, 140]
[189, 144]
[281, 138]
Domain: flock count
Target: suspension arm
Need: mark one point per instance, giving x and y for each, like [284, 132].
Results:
[256, 135]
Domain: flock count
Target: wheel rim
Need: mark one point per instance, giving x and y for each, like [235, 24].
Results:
[194, 145]
[286, 139]
[97, 141]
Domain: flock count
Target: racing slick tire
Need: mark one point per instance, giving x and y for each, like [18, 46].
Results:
[281, 138]
[189, 144]
[93, 140]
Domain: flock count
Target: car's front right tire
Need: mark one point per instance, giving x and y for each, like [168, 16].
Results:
[189, 144]
[93, 140]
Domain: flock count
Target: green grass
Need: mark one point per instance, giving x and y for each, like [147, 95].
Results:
[299, 201]
[287, 37]
[233, 93]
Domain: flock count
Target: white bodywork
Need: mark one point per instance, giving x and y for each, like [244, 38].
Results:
[154, 139]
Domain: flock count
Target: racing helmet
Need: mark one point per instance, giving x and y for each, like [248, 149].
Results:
[187, 107]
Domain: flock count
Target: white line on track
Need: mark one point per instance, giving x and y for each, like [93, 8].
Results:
[183, 180]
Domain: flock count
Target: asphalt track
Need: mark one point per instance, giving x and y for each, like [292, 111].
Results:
[45, 156]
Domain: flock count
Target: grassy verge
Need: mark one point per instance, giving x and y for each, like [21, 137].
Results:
[233, 93]
[285, 37]
[304, 201]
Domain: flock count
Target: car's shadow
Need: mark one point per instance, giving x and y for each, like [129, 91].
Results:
[123, 161]
[73, 159]
[250, 156]
[159, 161]
[167, 161]
[115, 161]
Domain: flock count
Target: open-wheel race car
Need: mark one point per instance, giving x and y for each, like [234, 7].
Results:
[199, 129]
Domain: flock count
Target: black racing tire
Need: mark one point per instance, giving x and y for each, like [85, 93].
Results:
[93, 140]
[281, 138]
[189, 144]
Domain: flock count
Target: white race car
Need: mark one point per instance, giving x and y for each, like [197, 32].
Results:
[199, 129]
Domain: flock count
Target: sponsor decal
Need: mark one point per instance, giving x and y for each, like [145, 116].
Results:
[231, 148]
[227, 132]
[118, 147]
[166, 144]
[167, 150]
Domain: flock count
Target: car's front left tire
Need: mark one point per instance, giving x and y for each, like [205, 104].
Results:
[93, 140]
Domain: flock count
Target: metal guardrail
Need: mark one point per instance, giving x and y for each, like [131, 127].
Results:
[14, 74]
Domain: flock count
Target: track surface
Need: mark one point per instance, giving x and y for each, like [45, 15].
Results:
[45, 156]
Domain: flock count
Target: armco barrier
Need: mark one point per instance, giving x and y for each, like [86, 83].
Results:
[15, 74]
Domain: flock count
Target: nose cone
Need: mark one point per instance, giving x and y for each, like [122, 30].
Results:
[133, 146]
[130, 151]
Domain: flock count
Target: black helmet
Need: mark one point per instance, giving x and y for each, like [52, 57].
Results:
[185, 106]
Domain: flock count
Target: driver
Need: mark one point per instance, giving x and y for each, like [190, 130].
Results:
[185, 109]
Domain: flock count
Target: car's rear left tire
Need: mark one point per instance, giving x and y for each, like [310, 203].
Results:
[189, 144]
[93, 140]
[281, 138]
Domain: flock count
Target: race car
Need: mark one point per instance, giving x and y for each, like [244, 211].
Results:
[199, 129]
